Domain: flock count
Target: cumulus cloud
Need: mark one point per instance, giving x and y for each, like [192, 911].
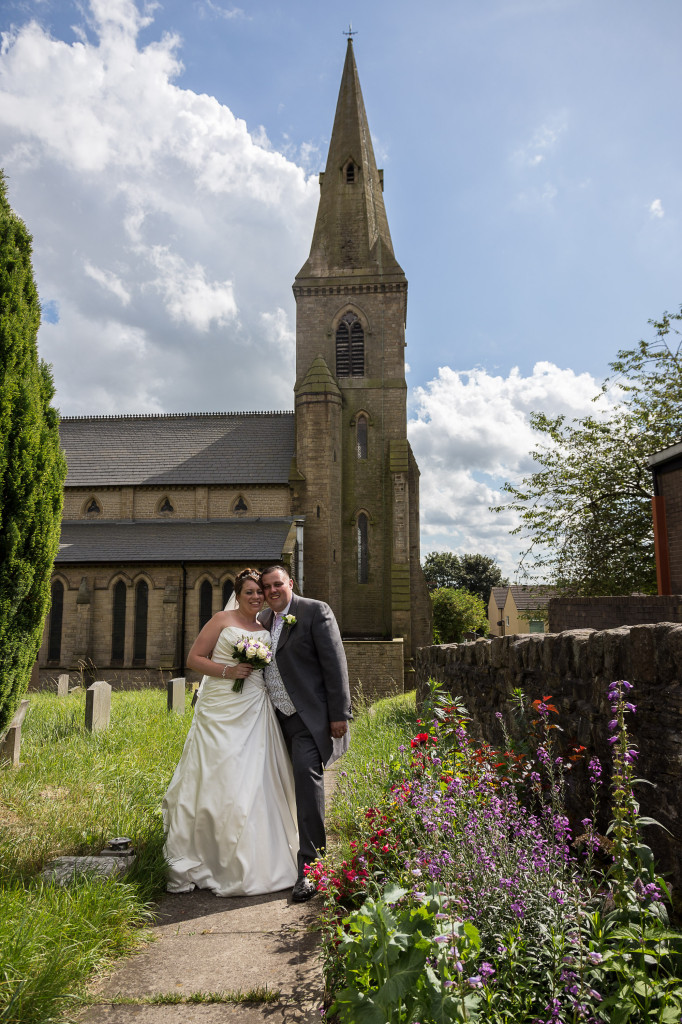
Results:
[656, 209]
[470, 432]
[160, 221]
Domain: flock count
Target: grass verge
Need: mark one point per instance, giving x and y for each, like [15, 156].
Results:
[73, 791]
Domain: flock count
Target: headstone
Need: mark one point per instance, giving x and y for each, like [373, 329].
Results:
[10, 747]
[97, 706]
[176, 695]
[63, 685]
[65, 870]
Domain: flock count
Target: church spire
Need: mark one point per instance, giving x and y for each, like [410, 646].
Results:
[351, 237]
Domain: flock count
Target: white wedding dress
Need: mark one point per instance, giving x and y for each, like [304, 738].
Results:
[229, 811]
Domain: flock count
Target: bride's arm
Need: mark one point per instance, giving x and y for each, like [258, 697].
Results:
[199, 657]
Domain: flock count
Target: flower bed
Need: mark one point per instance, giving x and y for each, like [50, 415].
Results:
[465, 895]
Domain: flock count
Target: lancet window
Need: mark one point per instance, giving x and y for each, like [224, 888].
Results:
[361, 437]
[54, 648]
[118, 624]
[140, 633]
[350, 346]
[205, 603]
[363, 554]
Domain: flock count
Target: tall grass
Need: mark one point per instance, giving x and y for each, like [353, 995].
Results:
[376, 732]
[73, 791]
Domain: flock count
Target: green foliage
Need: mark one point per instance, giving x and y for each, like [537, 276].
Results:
[587, 510]
[456, 612]
[75, 790]
[32, 467]
[462, 902]
[475, 573]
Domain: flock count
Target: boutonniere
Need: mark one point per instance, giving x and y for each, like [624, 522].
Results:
[289, 620]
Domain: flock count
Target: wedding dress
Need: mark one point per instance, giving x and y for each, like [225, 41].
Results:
[229, 811]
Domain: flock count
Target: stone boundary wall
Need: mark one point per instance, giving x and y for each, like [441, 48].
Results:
[576, 667]
[612, 612]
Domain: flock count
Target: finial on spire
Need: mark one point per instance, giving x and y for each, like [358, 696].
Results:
[350, 33]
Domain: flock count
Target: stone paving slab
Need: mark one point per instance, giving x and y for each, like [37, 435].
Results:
[212, 1013]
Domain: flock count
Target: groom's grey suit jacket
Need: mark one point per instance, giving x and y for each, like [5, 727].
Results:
[312, 663]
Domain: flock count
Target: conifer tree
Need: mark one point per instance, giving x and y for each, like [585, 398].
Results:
[32, 466]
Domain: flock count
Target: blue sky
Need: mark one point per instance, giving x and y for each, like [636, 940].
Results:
[165, 159]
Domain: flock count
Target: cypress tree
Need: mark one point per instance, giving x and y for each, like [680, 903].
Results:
[32, 466]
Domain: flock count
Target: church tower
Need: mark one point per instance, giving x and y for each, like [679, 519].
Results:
[355, 479]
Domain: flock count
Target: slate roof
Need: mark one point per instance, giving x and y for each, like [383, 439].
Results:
[178, 449]
[500, 595]
[173, 540]
[527, 598]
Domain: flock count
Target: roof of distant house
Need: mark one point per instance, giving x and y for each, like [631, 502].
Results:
[527, 598]
[178, 449]
[499, 596]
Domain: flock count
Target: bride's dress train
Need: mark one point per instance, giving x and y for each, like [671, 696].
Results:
[229, 811]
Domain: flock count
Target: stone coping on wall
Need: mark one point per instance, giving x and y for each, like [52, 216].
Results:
[576, 667]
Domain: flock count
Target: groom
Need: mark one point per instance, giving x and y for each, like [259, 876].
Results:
[307, 681]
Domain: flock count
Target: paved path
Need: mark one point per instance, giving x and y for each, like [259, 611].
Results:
[208, 944]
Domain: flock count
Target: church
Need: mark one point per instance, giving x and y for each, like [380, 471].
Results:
[162, 511]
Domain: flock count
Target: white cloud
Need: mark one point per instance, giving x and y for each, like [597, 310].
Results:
[656, 209]
[108, 280]
[542, 143]
[470, 433]
[156, 215]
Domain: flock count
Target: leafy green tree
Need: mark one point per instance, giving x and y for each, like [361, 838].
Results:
[586, 511]
[442, 569]
[456, 612]
[32, 466]
[479, 574]
[475, 573]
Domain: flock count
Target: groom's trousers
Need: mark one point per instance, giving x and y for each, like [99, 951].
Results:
[309, 787]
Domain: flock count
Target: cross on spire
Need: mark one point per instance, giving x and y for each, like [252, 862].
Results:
[350, 33]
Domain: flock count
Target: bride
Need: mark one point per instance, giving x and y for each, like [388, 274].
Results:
[229, 811]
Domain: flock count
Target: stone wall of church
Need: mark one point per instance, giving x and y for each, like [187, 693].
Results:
[199, 502]
[87, 621]
[375, 667]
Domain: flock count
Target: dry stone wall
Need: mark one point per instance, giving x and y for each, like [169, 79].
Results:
[576, 667]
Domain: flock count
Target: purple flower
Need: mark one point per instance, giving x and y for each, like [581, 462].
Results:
[630, 707]
[613, 724]
[613, 739]
[626, 685]
[475, 981]
[594, 957]
[631, 756]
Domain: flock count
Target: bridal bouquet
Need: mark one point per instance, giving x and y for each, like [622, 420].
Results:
[248, 651]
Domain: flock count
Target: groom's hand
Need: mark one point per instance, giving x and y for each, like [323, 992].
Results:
[338, 729]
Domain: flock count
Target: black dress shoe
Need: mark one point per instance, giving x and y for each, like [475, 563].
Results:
[304, 889]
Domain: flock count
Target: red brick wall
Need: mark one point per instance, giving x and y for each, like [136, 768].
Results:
[612, 612]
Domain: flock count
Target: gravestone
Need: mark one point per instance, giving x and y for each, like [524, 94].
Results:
[10, 744]
[176, 695]
[97, 706]
[63, 685]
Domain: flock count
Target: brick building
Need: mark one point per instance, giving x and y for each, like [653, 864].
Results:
[162, 511]
[666, 468]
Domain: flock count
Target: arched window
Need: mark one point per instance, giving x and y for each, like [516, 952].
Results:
[363, 568]
[205, 603]
[361, 437]
[140, 632]
[228, 590]
[118, 624]
[54, 646]
[350, 347]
